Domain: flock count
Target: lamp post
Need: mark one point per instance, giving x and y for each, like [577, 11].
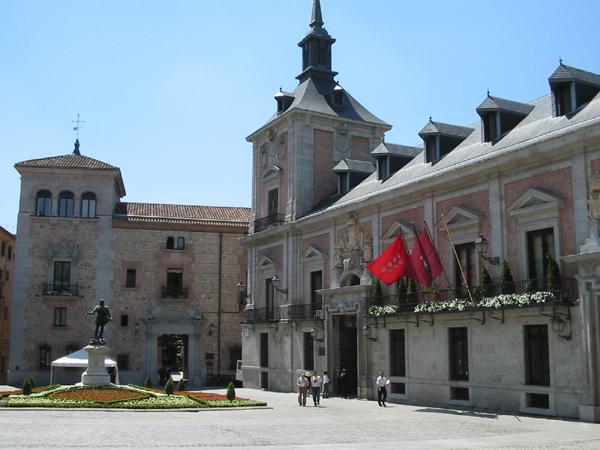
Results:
[276, 282]
[481, 247]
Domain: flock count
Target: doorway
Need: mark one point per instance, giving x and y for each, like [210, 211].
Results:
[349, 352]
[173, 352]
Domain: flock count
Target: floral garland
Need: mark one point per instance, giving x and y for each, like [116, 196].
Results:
[464, 304]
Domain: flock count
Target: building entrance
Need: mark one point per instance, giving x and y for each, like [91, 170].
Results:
[348, 352]
[173, 352]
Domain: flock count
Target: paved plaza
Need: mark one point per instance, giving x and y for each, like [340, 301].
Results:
[336, 424]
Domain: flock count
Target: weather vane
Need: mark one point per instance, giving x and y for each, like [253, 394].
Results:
[78, 122]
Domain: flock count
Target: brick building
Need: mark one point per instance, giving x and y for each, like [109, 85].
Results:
[7, 264]
[167, 273]
[330, 196]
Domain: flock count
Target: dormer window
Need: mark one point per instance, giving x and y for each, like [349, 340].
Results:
[383, 167]
[338, 96]
[572, 88]
[351, 173]
[284, 101]
[392, 157]
[441, 138]
[499, 116]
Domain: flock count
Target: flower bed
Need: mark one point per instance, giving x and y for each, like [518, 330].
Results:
[464, 304]
[128, 397]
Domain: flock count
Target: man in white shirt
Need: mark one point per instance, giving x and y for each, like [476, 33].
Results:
[382, 382]
[316, 383]
[325, 385]
[303, 384]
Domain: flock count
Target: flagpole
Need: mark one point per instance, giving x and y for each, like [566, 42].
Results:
[438, 255]
[410, 262]
[458, 261]
[422, 253]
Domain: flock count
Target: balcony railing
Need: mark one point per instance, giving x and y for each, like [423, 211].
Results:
[300, 312]
[564, 290]
[174, 292]
[61, 289]
[269, 221]
[262, 315]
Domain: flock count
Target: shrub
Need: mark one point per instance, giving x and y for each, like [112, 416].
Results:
[377, 298]
[169, 387]
[231, 392]
[507, 279]
[553, 281]
[486, 278]
[148, 382]
[181, 385]
[26, 386]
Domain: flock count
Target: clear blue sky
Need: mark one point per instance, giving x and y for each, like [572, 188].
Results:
[170, 89]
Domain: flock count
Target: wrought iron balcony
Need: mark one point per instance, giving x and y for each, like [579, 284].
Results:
[563, 289]
[262, 315]
[174, 292]
[70, 290]
[301, 312]
[270, 221]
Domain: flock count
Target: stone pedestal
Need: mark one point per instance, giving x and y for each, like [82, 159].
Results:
[96, 372]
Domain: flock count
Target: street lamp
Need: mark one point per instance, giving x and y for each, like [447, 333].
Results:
[481, 247]
[276, 282]
[367, 332]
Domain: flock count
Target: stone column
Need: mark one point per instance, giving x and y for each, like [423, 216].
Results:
[96, 372]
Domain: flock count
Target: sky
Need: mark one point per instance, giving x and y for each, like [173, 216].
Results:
[169, 90]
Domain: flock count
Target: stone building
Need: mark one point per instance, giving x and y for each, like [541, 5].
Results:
[167, 273]
[330, 196]
[7, 263]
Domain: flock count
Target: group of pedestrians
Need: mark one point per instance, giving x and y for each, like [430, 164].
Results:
[316, 384]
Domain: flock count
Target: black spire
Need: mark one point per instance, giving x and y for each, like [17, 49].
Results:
[316, 49]
[76, 151]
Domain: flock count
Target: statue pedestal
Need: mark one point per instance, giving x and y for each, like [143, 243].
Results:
[96, 372]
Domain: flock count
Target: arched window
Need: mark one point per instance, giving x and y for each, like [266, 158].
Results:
[170, 243]
[44, 203]
[180, 243]
[66, 202]
[88, 205]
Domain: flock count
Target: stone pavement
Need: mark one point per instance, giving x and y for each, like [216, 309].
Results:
[336, 424]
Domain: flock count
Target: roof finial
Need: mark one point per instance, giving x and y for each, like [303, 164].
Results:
[78, 126]
[560, 60]
[488, 92]
[317, 18]
[76, 151]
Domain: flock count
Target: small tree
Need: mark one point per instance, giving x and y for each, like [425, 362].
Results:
[181, 385]
[377, 298]
[169, 387]
[32, 382]
[508, 286]
[148, 382]
[27, 386]
[231, 392]
[486, 278]
[401, 291]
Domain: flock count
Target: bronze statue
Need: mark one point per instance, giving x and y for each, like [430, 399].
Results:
[102, 318]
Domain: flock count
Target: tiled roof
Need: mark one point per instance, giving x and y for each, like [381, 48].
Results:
[352, 165]
[182, 214]
[568, 73]
[70, 161]
[386, 148]
[445, 128]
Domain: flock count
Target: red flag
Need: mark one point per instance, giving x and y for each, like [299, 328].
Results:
[390, 265]
[425, 261]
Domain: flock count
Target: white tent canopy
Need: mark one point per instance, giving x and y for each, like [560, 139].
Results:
[78, 359]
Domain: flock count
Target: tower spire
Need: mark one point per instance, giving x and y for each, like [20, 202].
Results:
[317, 17]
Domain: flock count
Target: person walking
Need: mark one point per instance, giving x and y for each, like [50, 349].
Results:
[325, 385]
[316, 383]
[339, 381]
[303, 384]
[382, 382]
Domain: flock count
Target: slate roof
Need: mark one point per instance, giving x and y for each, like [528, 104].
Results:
[353, 165]
[496, 103]
[539, 126]
[70, 161]
[182, 214]
[309, 96]
[446, 129]
[386, 148]
[567, 73]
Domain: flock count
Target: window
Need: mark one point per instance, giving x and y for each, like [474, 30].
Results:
[9, 252]
[170, 243]
[539, 243]
[45, 357]
[66, 203]
[130, 280]
[264, 349]
[174, 287]
[270, 298]
[431, 150]
[3, 249]
[563, 99]
[322, 54]
[537, 356]
[44, 203]
[468, 262]
[124, 320]
[180, 243]
[397, 353]
[338, 97]
[309, 351]
[273, 206]
[7, 277]
[490, 126]
[316, 284]
[88, 205]
[62, 276]
[60, 317]
[459, 354]
[123, 362]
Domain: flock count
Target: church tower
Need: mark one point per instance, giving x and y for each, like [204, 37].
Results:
[314, 127]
